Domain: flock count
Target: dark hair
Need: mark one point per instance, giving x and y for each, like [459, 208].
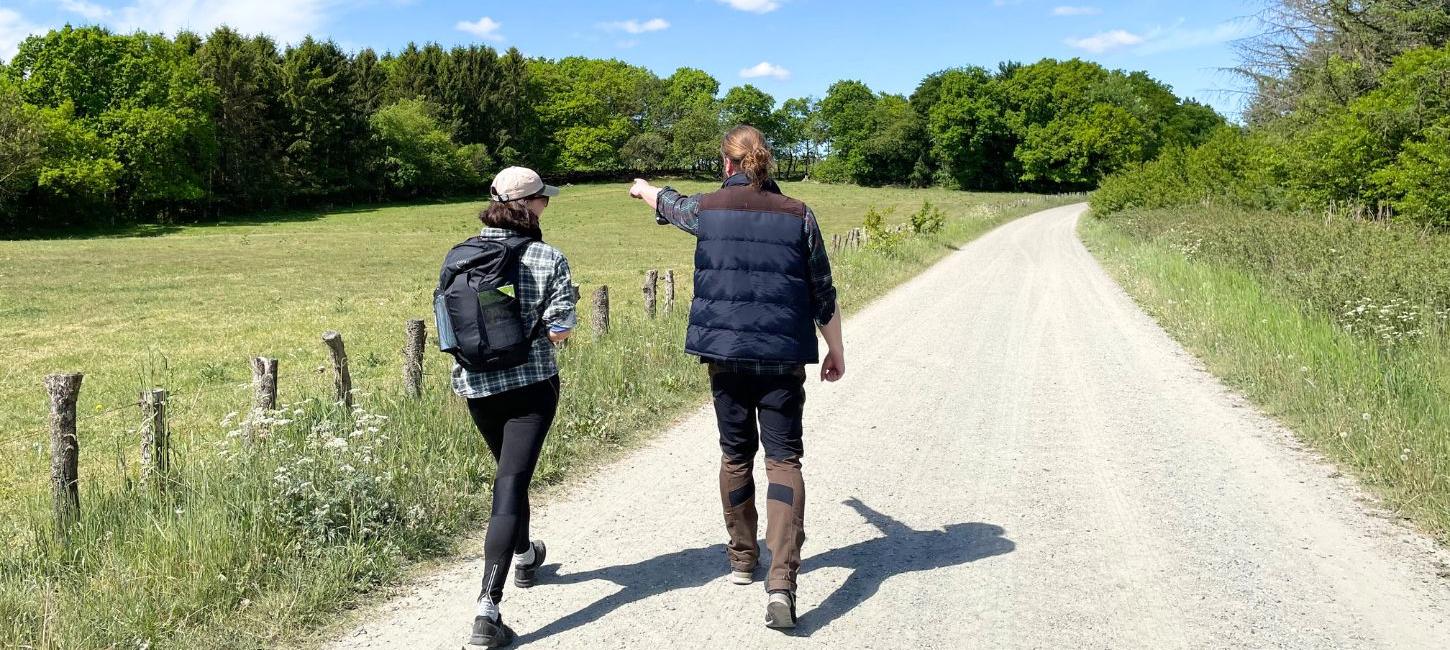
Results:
[745, 145]
[512, 215]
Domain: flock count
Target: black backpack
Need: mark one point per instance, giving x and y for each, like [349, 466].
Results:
[476, 305]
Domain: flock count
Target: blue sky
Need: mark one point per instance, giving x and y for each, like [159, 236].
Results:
[788, 48]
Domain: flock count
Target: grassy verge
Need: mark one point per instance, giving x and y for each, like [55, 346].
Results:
[1336, 327]
[248, 544]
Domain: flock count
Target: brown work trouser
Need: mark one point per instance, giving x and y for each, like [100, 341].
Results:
[752, 409]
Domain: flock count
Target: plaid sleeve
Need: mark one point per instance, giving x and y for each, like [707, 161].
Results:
[823, 290]
[680, 210]
[559, 299]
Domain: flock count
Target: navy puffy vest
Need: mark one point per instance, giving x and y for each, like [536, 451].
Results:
[752, 289]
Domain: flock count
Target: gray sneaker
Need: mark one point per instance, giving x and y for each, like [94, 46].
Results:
[527, 576]
[780, 610]
[489, 633]
[742, 577]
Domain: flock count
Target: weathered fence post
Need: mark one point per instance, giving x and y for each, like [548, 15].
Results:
[341, 378]
[651, 285]
[601, 311]
[413, 357]
[65, 450]
[264, 394]
[670, 291]
[155, 438]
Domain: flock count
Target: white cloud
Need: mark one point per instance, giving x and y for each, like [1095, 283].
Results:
[633, 26]
[1163, 39]
[1178, 38]
[1106, 41]
[13, 29]
[287, 21]
[90, 10]
[485, 28]
[765, 69]
[1076, 11]
[753, 6]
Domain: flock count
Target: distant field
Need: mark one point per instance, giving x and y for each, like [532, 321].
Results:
[185, 309]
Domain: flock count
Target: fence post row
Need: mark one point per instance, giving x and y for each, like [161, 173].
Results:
[155, 438]
[601, 311]
[651, 285]
[64, 389]
[670, 291]
[342, 379]
[417, 338]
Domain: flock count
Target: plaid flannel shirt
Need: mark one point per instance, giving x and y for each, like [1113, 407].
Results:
[546, 290]
[684, 212]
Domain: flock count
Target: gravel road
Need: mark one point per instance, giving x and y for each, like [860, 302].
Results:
[1017, 457]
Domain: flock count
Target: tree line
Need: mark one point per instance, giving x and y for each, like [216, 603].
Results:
[107, 128]
[1350, 107]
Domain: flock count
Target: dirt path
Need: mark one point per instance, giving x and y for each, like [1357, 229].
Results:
[1018, 457]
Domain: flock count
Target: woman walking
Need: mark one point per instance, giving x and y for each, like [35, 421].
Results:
[513, 407]
[762, 286]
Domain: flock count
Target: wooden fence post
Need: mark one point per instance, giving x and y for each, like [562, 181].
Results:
[155, 438]
[264, 394]
[651, 286]
[670, 291]
[65, 450]
[601, 311]
[413, 357]
[341, 378]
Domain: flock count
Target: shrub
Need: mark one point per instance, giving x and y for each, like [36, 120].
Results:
[929, 220]
[878, 235]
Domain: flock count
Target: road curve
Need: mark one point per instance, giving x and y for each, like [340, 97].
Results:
[1017, 457]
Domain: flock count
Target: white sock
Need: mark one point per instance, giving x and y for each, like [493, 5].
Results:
[487, 608]
[526, 558]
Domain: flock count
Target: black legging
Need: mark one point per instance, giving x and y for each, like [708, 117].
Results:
[514, 424]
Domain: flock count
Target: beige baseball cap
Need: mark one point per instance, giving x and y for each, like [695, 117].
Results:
[517, 183]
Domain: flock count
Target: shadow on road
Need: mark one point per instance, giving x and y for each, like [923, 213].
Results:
[900, 550]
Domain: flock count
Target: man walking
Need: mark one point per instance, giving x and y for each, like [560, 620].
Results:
[762, 287]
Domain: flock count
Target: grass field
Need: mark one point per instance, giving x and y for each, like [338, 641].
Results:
[250, 544]
[1336, 327]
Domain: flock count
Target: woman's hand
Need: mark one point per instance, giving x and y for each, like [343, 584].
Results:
[833, 367]
[559, 337]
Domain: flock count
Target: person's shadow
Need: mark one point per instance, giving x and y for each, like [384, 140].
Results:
[901, 550]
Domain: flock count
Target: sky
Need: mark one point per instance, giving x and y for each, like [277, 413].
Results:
[788, 48]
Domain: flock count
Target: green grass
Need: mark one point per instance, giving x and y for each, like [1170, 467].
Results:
[1337, 328]
[248, 545]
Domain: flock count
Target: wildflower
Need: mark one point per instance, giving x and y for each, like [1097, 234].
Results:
[1343, 434]
[1303, 368]
[1364, 416]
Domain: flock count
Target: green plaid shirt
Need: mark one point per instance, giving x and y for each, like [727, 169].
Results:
[547, 292]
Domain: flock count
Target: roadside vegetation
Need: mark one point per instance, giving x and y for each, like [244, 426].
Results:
[1338, 327]
[248, 545]
[1303, 254]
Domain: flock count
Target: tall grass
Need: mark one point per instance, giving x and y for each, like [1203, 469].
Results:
[1338, 328]
[248, 544]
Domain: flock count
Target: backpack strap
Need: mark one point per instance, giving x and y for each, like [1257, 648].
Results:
[518, 245]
